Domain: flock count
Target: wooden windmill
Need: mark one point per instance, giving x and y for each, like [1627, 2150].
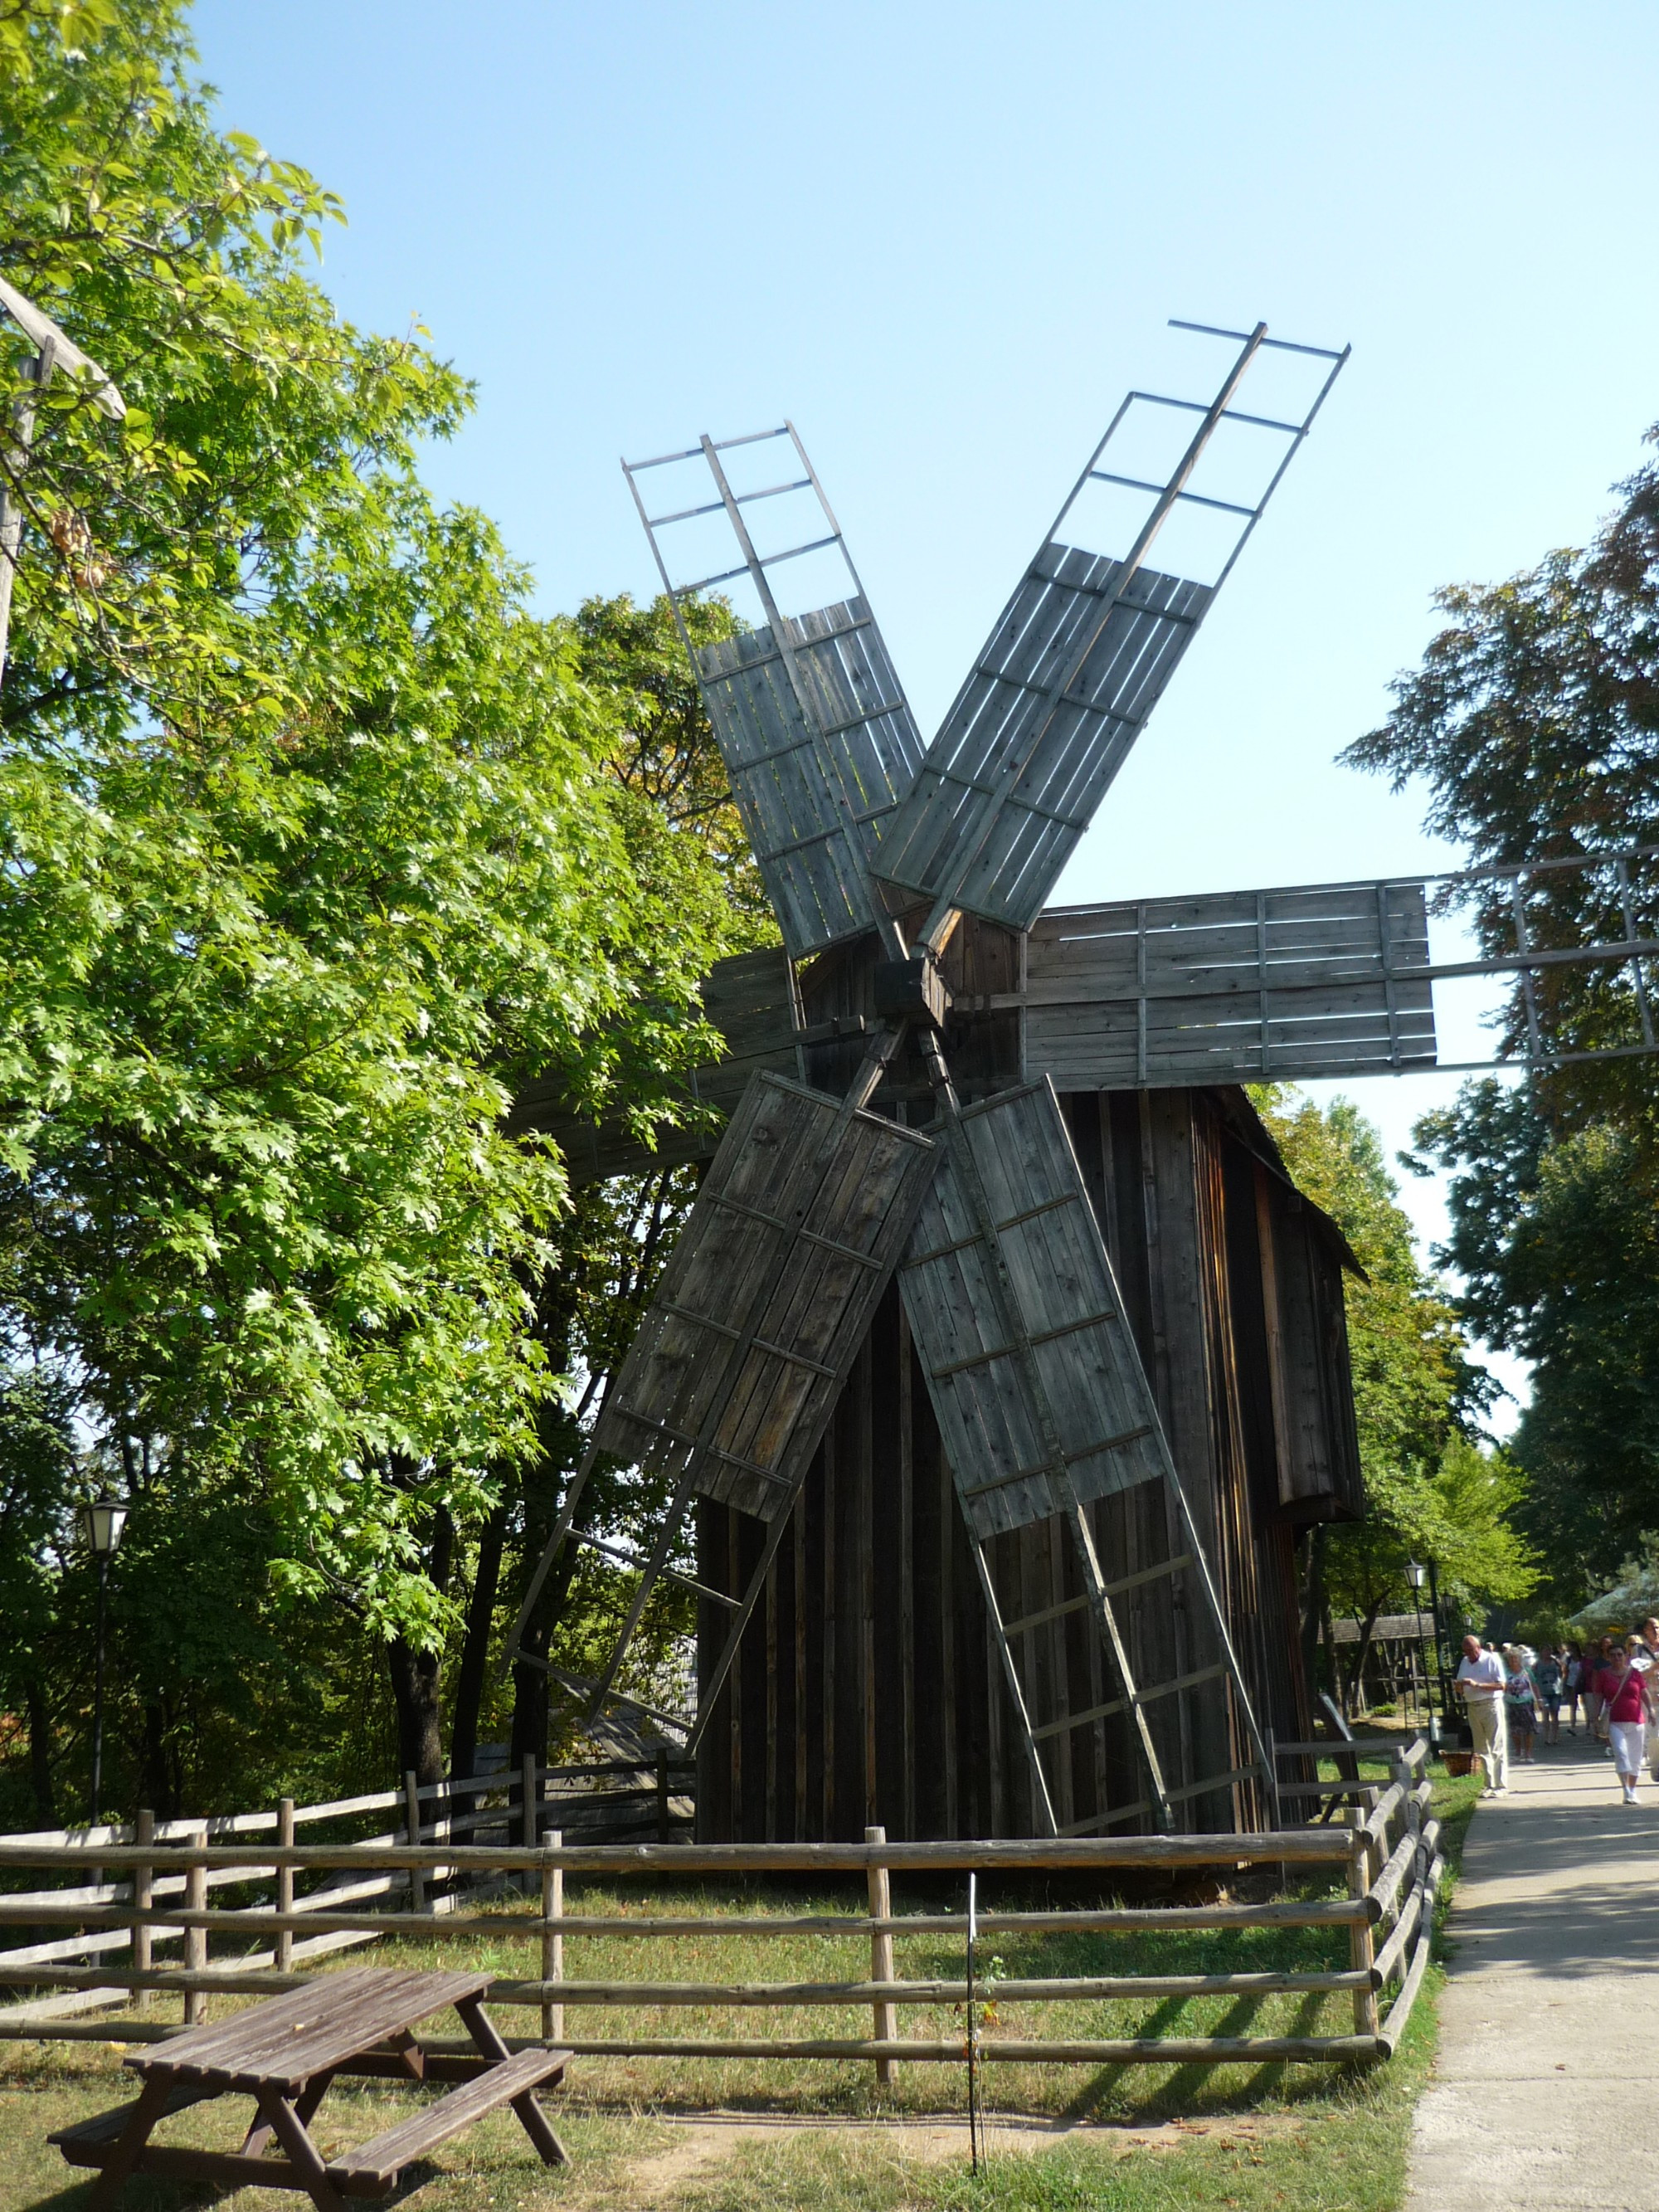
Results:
[880, 857]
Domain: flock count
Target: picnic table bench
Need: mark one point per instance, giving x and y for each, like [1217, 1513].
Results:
[285, 2054]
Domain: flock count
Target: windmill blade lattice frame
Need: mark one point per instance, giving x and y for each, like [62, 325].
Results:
[735, 1368]
[812, 722]
[1064, 683]
[1045, 1409]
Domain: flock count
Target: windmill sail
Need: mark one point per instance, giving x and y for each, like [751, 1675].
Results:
[772, 1282]
[1045, 1409]
[813, 727]
[1066, 679]
[1057, 696]
[735, 1369]
[1231, 987]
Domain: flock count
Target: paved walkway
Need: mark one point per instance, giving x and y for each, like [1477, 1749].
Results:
[1546, 2097]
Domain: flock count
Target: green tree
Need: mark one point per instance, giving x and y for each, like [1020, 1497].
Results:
[313, 846]
[1430, 1491]
[1558, 1242]
[1534, 720]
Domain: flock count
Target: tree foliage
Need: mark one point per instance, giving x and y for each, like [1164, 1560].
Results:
[1534, 720]
[312, 846]
[1430, 1491]
[1557, 1239]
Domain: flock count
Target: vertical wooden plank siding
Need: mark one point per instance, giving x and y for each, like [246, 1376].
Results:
[865, 1514]
[872, 1690]
[773, 1702]
[801, 1828]
[950, 1542]
[735, 1705]
[907, 1623]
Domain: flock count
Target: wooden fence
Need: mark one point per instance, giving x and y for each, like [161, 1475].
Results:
[614, 1796]
[1383, 1849]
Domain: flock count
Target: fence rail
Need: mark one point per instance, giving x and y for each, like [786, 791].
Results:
[1383, 1850]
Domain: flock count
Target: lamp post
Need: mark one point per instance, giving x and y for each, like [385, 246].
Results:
[105, 1518]
[1416, 1574]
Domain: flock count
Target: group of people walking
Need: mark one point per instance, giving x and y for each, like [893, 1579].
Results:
[1510, 1697]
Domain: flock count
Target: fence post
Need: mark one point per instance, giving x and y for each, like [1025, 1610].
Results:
[552, 1942]
[412, 1820]
[1361, 1949]
[143, 1896]
[196, 1938]
[285, 1885]
[662, 1797]
[881, 1958]
[1412, 1820]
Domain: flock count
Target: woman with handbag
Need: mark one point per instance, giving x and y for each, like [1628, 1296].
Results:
[1621, 1692]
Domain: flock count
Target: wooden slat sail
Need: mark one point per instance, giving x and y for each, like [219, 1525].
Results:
[735, 1369]
[1225, 987]
[773, 1280]
[1237, 986]
[1032, 741]
[818, 760]
[1046, 1255]
[1044, 1408]
[807, 709]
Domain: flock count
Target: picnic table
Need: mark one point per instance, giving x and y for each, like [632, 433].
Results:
[284, 2055]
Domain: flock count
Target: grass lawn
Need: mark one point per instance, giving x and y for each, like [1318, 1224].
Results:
[720, 2136]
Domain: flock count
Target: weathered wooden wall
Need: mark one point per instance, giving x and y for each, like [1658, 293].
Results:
[869, 1688]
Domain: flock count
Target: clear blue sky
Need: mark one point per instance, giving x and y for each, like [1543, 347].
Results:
[946, 239]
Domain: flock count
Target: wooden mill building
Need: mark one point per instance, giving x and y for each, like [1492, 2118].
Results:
[870, 1688]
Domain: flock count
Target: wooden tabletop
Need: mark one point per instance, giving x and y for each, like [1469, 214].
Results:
[284, 2044]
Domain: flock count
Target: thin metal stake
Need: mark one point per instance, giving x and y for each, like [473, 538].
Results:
[972, 2027]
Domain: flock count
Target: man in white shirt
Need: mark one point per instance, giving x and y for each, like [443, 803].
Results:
[1481, 1681]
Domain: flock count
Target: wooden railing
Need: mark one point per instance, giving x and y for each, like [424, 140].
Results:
[1384, 1851]
[518, 1806]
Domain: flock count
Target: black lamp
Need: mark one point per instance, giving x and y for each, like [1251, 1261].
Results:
[104, 1519]
[1416, 1574]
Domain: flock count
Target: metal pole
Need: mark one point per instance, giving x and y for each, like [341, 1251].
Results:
[38, 369]
[1439, 1648]
[98, 1694]
[1422, 1655]
[973, 2027]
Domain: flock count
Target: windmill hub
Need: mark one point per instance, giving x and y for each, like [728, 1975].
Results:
[911, 990]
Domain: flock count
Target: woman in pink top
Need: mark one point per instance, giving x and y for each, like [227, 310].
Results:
[1621, 1690]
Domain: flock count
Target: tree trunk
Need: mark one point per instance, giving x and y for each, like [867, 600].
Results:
[1367, 1631]
[473, 1671]
[545, 1486]
[40, 1719]
[1313, 1605]
[414, 1686]
[158, 1774]
[416, 1676]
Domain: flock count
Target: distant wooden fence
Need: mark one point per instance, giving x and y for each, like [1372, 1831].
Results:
[518, 1806]
[1384, 1849]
